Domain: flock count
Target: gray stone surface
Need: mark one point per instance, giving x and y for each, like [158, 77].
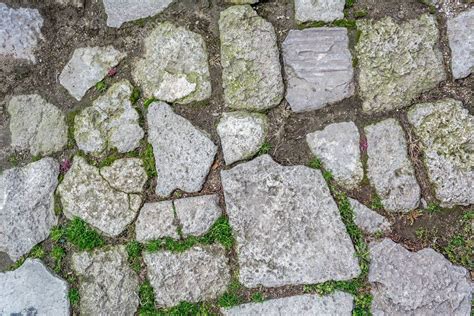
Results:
[251, 71]
[36, 125]
[461, 42]
[319, 10]
[27, 206]
[75, 3]
[242, 1]
[318, 65]
[287, 226]
[368, 220]
[111, 122]
[416, 283]
[20, 32]
[175, 65]
[397, 62]
[156, 220]
[389, 169]
[200, 273]
[107, 284]
[337, 146]
[127, 175]
[446, 131]
[242, 134]
[197, 214]
[87, 66]
[33, 290]
[183, 153]
[119, 12]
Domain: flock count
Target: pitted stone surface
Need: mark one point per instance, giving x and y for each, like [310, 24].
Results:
[461, 42]
[33, 290]
[107, 284]
[242, 1]
[27, 206]
[251, 73]
[197, 214]
[156, 220]
[287, 226]
[416, 283]
[175, 66]
[87, 66]
[36, 125]
[446, 131]
[183, 153]
[337, 145]
[242, 134]
[200, 273]
[126, 175]
[389, 169]
[119, 12]
[368, 220]
[397, 62]
[318, 64]
[319, 10]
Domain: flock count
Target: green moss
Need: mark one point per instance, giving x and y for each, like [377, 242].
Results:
[107, 161]
[37, 252]
[57, 234]
[147, 299]
[376, 203]
[315, 163]
[58, 208]
[148, 159]
[433, 208]
[348, 23]
[257, 297]
[231, 296]
[57, 254]
[13, 160]
[360, 14]
[134, 250]
[148, 101]
[82, 235]
[101, 86]
[265, 148]
[70, 117]
[135, 96]
[74, 297]
[327, 175]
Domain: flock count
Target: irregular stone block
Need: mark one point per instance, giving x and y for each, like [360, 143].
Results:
[320, 10]
[156, 220]
[242, 1]
[119, 12]
[461, 42]
[197, 214]
[368, 220]
[127, 175]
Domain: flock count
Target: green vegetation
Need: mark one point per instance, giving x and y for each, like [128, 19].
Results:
[134, 250]
[37, 252]
[147, 299]
[327, 175]
[148, 101]
[57, 254]
[265, 148]
[376, 203]
[74, 296]
[348, 23]
[107, 161]
[70, 117]
[56, 234]
[315, 163]
[82, 235]
[459, 247]
[360, 14]
[13, 160]
[101, 86]
[136, 93]
[148, 159]
[257, 297]
[433, 208]
[231, 296]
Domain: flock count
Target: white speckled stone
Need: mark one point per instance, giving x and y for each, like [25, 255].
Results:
[119, 12]
[461, 42]
[319, 10]
[368, 220]
[197, 214]
[156, 220]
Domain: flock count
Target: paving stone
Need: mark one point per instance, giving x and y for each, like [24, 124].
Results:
[242, 134]
[183, 153]
[446, 131]
[368, 220]
[461, 42]
[107, 284]
[242, 1]
[389, 169]
[27, 206]
[86, 194]
[337, 146]
[75, 3]
[197, 214]
[175, 66]
[397, 62]
[287, 226]
[200, 273]
[127, 175]
[320, 10]
[36, 125]
[33, 290]
[119, 12]
[318, 65]
[87, 66]
[110, 123]
[416, 283]
[156, 220]
[20, 32]
[251, 71]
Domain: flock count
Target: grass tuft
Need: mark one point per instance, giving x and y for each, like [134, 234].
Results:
[315, 163]
[433, 208]
[149, 101]
[37, 252]
[264, 149]
[74, 296]
[57, 254]
[80, 234]
[135, 96]
[101, 86]
[376, 203]
[257, 297]
[148, 159]
[231, 297]
[134, 250]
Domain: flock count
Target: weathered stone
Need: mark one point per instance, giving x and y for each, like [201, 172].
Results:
[20, 32]
[156, 220]
[318, 65]
[33, 290]
[242, 1]
[242, 134]
[197, 214]
[339, 303]
[119, 12]
[461, 42]
[368, 220]
[319, 10]
[416, 283]
[127, 175]
[446, 131]
[200, 273]
[389, 169]
[337, 145]
[36, 125]
[107, 284]
[251, 73]
[287, 226]
[183, 154]
[87, 66]
[175, 66]
[27, 206]
[75, 3]
[397, 62]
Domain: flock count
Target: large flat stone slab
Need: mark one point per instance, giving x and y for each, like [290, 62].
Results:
[461, 42]
[320, 10]
[197, 214]
[119, 12]
[155, 221]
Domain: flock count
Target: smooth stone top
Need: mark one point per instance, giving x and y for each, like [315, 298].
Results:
[119, 12]
[368, 220]
[461, 42]
[320, 10]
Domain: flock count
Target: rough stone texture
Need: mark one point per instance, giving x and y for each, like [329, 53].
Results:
[156, 220]
[127, 175]
[242, 1]
[251, 71]
[75, 3]
[242, 134]
[397, 62]
[27, 206]
[87, 66]
[319, 10]
[119, 12]
[416, 283]
[200, 273]
[338, 303]
[368, 220]
[175, 66]
[36, 125]
[183, 154]
[86, 194]
[461, 42]
[107, 284]
[389, 169]
[33, 290]
[337, 146]
[20, 32]
[287, 226]
[446, 131]
[197, 214]
[318, 64]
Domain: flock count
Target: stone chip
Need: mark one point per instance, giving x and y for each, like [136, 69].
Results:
[368, 220]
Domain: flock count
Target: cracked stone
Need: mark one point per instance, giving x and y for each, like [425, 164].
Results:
[126, 175]
[368, 220]
[461, 42]
[320, 10]
[155, 221]
[119, 12]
